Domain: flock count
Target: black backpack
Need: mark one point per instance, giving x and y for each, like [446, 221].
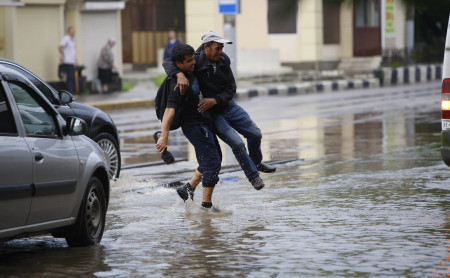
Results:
[161, 103]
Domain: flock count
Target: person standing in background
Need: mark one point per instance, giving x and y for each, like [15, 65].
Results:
[171, 42]
[68, 53]
[106, 64]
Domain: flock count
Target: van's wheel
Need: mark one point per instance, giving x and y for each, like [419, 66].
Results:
[110, 146]
[88, 230]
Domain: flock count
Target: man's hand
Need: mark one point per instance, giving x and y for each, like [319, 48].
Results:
[182, 83]
[161, 145]
[206, 104]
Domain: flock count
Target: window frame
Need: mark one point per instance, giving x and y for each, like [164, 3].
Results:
[48, 109]
[10, 111]
[50, 95]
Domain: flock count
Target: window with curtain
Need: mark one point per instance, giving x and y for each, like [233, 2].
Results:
[331, 22]
[282, 16]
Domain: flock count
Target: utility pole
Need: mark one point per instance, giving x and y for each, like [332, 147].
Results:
[229, 8]
[229, 32]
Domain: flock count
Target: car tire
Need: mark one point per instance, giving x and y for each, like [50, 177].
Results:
[88, 230]
[110, 146]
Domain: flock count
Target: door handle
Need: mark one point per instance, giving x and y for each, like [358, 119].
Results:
[38, 156]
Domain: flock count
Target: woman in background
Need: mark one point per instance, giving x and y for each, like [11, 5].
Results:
[106, 65]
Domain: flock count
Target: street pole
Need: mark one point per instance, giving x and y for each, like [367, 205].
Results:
[229, 32]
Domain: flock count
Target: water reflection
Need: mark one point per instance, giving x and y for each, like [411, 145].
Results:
[370, 199]
[49, 257]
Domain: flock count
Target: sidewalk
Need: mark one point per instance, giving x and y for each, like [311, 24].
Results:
[142, 94]
[144, 91]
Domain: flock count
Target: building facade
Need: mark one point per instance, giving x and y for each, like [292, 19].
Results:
[30, 31]
[304, 33]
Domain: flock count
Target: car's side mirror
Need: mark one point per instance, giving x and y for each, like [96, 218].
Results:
[65, 97]
[75, 126]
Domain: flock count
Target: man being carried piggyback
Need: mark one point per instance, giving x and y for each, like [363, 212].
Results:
[218, 86]
[196, 126]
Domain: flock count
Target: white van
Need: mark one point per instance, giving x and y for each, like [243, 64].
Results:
[445, 101]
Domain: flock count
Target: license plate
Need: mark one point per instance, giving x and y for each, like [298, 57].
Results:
[445, 124]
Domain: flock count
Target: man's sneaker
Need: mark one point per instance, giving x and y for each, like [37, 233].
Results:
[186, 191]
[266, 168]
[257, 183]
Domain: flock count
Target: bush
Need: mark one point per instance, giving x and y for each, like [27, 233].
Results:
[127, 85]
[158, 80]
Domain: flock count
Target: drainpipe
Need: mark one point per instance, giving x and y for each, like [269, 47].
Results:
[409, 32]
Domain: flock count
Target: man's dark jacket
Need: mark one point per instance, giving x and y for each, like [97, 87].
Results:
[219, 85]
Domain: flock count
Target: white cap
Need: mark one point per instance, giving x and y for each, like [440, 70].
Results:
[214, 36]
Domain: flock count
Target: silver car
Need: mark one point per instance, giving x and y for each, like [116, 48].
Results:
[53, 178]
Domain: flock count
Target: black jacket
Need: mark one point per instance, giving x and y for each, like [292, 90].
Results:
[187, 104]
[219, 85]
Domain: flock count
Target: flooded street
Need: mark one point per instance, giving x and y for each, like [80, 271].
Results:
[360, 191]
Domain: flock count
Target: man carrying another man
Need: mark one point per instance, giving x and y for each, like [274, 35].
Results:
[196, 126]
[218, 86]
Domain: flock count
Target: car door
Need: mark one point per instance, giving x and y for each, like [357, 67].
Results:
[55, 159]
[15, 170]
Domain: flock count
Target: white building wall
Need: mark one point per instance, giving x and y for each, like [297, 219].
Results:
[36, 41]
[395, 41]
[95, 29]
[400, 24]
[201, 16]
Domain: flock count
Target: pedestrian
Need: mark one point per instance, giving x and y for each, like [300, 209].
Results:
[105, 65]
[171, 42]
[218, 87]
[68, 53]
[196, 126]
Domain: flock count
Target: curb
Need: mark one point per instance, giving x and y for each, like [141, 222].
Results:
[408, 75]
[122, 104]
[307, 87]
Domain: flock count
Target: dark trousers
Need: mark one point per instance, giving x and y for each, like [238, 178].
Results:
[70, 77]
[207, 151]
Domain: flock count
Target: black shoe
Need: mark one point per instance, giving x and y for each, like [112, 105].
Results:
[166, 156]
[186, 191]
[266, 168]
[257, 183]
[209, 207]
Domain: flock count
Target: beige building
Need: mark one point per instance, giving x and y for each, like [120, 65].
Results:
[29, 34]
[301, 33]
[30, 31]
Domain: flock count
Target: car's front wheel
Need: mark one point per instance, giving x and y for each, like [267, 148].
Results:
[90, 224]
[110, 146]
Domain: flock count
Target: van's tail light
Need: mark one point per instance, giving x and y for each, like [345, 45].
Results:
[445, 99]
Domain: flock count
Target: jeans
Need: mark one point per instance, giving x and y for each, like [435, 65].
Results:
[70, 77]
[207, 151]
[233, 119]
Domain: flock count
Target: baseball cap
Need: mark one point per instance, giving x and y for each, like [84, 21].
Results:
[215, 37]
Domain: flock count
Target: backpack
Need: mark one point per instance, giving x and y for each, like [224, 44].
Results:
[161, 103]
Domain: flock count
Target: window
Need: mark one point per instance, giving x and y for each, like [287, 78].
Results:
[46, 91]
[7, 125]
[282, 16]
[331, 22]
[367, 13]
[37, 121]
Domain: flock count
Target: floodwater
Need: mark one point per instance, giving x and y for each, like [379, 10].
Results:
[364, 194]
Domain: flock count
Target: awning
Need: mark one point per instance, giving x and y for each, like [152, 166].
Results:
[10, 3]
[103, 6]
